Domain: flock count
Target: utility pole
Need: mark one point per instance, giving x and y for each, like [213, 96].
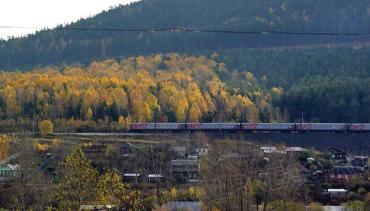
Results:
[241, 200]
[33, 122]
[302, 120]
[227, 195]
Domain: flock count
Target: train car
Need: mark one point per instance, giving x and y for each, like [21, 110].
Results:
[142, 127]
[268, 126]
[335, 127]
[213, 126]
[170, 126]
[359, 127]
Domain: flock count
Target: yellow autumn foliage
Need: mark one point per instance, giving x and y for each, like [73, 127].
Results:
[4, 146]
[140, 89]
[45, 127]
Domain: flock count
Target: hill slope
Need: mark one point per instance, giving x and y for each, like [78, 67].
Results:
[57, 46]
[177, 88]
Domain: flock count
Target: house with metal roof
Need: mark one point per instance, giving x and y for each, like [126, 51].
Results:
[346, 173]
[185, 170]
[9, 171]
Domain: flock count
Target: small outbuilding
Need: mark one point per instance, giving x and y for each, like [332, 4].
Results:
[336, 193]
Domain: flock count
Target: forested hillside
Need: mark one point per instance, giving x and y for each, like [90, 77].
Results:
[283, 67]
[112, 94]
[321, 84]
[109, 94]
[68, 46]
[211, 77]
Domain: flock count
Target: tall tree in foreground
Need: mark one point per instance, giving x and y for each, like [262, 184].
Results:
[279, 179]
[227, 175]
[78, 181]
[80, 185]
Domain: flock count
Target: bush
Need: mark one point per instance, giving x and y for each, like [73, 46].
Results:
[45, 127]
[41, 147]
[367, 202]
[149, 202]
[354, 205]
[353, 196]
[315, 207]
[286, 206]
[361, 191]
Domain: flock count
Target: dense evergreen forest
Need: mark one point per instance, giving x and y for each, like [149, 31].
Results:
[285, 66]
[322, 84]
[59, 46]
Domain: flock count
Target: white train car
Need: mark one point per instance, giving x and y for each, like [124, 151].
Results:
[322, 126]
[213, 126]
[142, 127]
[358, 127]
[268, 126]
[170, 126]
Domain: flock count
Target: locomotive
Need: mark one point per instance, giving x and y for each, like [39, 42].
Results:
[250, 127]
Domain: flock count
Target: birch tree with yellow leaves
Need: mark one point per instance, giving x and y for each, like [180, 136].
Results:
[80, 184]
[170, 88]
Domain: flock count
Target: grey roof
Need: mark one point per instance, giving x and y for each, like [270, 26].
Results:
[347, 169]
[10, 158]
[183, 205]
[184, 162]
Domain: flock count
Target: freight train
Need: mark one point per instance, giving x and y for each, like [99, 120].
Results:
[250, 127]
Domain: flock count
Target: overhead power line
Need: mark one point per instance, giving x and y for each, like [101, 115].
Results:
[18, 27]
[189, 30]
[180, 29]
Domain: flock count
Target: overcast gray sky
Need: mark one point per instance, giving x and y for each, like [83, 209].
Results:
[47, 13]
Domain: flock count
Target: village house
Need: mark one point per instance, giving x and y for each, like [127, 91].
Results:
[270, 150]
[267, 150]
[179, 151]
[126, 150]
[201, 152]
[155, 178]
[132, 177]
[94, 148]
[294, 151]
[185, 170]
[360, 161]
[337, 154]
[346, 173]
[336, 193]
[9, 171]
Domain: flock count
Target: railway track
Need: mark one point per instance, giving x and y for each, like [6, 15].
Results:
[251, 127]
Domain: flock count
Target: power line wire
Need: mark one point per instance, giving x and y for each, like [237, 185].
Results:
[188, 30]
[178, 29]
[18, 27]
